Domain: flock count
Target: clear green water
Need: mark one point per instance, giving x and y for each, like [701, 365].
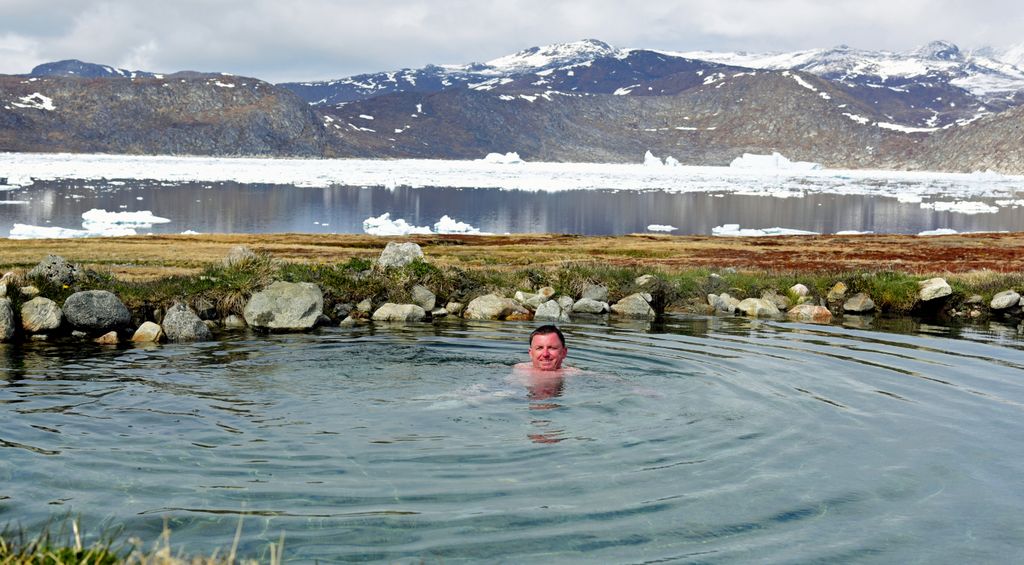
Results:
[706, 440]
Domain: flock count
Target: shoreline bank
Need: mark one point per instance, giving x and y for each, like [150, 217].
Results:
[190, 287]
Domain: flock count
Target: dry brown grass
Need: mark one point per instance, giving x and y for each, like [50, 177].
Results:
[151, 257]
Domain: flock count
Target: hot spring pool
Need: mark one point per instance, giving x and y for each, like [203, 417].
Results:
[708, 440]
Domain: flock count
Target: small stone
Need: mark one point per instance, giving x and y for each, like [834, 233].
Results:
[182, 324]
[344, 309]
[933, 288]
[837, 293]
[454, 308]
[492, 307]
[234, 322]
[28, 291]
[566, 303]
[859, 302]
[148, 332]
[79, 334]
[205, 309]
[348, 322]
[519, 316]
[974, 313]
[438, 313]
[1004, 300]
[799, 289]
[646, 282]
[810, 313]
[974, 299]
[210, 324]
[365, 306]
[780, 302]
[109, 338]
[7, 326]
[546, 292]
[725, 304]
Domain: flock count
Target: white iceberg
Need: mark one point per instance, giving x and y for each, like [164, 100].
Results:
[509, 158]
[651, 161]
[25, 231]
[774, 161]
[450, 226]
[661, 227]
[384, 225]
[734, 230]
[854, 232]
[143, 219]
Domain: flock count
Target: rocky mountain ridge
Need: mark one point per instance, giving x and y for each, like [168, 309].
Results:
[935, 108]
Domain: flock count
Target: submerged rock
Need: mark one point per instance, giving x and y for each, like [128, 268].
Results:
[758, 308]
[285, 306]
[96, 311]
[551, 311]
[148, 332]
[859, 302]
[492, 307]
[723, 303]
[182, 324]
[635, 305]
[109, 338]
[810, 313]
[390, 312]
[41, 315]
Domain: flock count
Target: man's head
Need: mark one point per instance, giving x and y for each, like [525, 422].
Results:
[547, 348]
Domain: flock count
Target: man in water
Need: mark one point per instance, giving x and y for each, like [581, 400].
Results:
[547, 350]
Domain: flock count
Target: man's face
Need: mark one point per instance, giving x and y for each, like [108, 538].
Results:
[546, 352]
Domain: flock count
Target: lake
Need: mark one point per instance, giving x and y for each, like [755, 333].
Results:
[700, 439]
[231, 207]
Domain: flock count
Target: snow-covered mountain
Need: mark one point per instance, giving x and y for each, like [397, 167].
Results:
[934, 86]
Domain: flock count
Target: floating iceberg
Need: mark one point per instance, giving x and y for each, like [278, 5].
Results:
[384, 225]
[734, 230]
[773, 161]
[24, 231]
[940, 231]
[447, 225]
[961, 206]
[509, 158]
[660, 227]
[651, 161]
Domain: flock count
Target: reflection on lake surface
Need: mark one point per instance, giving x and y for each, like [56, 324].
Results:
[710, 440]
[247, 208]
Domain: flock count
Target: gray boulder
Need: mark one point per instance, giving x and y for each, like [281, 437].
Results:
[285, 306]
[399, 254]
[391, 312]
[597, 292]
[96, 311]
[837, 293]
[810, 313]
[551, 311]
[454, 308]
[233, 322]
[635, 305]
[933, 288]
[148, 332]
[55, 269]
[565, 302]
[590, 306]
[492, 307]
[41, 315]
[6, 320]
[182, 324]
[781, 302]
[422, 297]
[1004, 300]
[799, 289]
[758, 308]
[859, 302]
[647, 283]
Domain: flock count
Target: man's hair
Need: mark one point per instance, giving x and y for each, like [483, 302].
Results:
[545, 330]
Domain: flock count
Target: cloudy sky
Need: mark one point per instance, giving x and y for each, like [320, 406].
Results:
[291, 40]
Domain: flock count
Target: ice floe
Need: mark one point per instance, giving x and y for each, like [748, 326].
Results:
[940, 231]
[963, 207]
[734, 230]
[25, 231]
[142, 219]
[661, 227]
